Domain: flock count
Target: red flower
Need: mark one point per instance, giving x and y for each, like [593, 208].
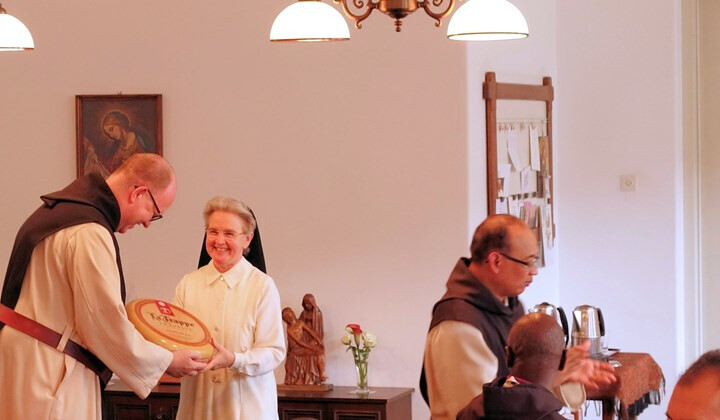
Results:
[355, 328]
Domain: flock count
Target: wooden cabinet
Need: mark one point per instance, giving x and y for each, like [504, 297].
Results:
[341, 404]
[119, 403]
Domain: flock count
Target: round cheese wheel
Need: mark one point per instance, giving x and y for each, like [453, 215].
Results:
[169, 326]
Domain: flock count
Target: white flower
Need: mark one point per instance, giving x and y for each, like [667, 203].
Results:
[346, 339]
[370, 339]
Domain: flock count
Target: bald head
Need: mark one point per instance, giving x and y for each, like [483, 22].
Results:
[494, 234]
[535, 349]
[146, 169]
[537, 336]
[145, 187]
[697, 393]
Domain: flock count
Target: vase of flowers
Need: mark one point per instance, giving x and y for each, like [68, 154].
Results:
[360, 343]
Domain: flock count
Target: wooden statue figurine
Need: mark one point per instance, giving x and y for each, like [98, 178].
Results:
[305, 362]
[312, 315]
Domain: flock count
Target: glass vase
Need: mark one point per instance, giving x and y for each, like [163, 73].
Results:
[360, 357]
[361, 371]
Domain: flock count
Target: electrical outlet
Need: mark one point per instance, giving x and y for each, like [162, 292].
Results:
[628, 183]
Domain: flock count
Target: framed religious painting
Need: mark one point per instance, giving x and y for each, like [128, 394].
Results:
[111, 128]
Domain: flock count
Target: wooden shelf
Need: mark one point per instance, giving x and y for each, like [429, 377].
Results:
[338, 404]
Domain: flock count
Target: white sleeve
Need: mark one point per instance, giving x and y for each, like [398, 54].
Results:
[457, 364]
[268, 347]
[101, 320]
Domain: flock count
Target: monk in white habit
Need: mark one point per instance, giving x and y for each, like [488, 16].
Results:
[64, 325]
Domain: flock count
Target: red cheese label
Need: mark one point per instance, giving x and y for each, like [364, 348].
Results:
[164, 308]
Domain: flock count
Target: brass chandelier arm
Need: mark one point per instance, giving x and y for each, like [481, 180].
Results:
[359, 4]
[438, 16]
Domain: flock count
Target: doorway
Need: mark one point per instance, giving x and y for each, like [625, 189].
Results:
[702, 183]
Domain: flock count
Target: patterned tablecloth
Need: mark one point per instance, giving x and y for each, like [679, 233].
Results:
[640, 382]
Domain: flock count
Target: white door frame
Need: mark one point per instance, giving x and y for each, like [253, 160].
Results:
[689, 289]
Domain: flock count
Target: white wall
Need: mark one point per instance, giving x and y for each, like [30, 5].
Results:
[619, 66]
[353, 155]
[364, 160]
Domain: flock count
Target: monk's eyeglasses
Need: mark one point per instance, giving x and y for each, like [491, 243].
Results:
[157, 215]
[529, 264]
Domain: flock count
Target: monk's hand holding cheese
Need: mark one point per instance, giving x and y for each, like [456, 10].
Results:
[185, 363]
[223, 358]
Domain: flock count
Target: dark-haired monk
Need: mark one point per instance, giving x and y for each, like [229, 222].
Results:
[535, 354]
[697, 393]
[65, 275]
[465, 346]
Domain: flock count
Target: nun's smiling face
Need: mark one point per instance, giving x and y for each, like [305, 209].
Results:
[227, 238]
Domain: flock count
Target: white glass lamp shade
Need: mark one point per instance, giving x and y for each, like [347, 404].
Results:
[14, 36]
[487, 20]
[308, 21]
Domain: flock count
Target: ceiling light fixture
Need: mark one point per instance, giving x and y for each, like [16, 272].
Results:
[487, 20]
[14, 35]
[310, 20]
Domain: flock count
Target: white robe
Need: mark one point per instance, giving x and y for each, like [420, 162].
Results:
[72, 286]
[457, 364]
[242, 312]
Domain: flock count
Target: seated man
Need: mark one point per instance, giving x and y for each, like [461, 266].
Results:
[697, 393]
[535, 354]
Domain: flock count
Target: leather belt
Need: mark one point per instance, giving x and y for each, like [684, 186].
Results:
[52, 339]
